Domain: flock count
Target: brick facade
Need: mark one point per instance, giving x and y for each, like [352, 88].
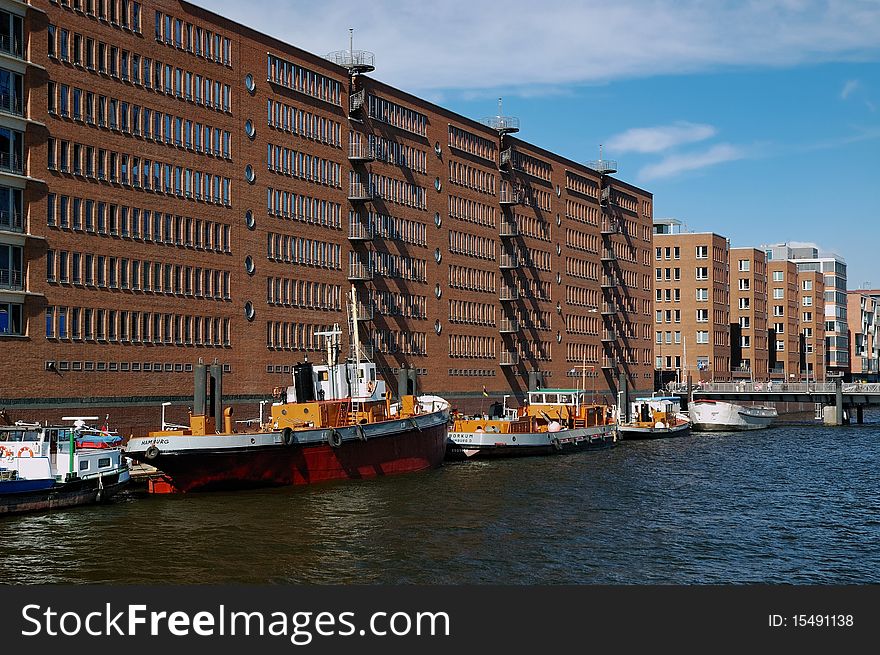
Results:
[251, 227]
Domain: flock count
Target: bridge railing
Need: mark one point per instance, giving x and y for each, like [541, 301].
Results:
[766, 387]
[861, 387]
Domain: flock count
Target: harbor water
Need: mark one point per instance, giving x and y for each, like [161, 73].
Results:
[793, 504]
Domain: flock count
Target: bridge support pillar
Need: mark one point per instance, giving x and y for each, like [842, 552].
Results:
[838, 389]
[860, 415]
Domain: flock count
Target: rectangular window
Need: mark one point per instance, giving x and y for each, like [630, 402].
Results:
[702, 273]
[744, 264]
[702, 252]
[778, 276]
[778, 293]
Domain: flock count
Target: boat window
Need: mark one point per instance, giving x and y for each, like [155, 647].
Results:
[104, 462]
[323, 376]
[373, 374]
[84, 465]
[564, 398]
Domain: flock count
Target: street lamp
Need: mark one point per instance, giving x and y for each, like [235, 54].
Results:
[164, 405]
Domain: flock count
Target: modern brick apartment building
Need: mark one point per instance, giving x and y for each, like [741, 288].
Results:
[811, 285]
[734, 313]
[748, 314]
[863, 313]
[177, 186]
[783, 319]
[692, 302]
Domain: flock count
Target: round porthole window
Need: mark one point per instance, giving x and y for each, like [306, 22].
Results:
[438, 291]
[249, 129]
[437, 255]
[558, 249]
[249, 311]
[249, 219]
[437, 183]
[558, 337]
[437, 149]
[559, 308]
[559, 278]
[558, 220]
[437, 220]
[437, 327]
[249, 174]
[249, 265]
[250, 84]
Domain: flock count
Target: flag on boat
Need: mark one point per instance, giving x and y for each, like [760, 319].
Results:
[485, 393]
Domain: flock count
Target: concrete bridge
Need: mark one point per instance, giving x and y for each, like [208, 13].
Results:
[838, 395]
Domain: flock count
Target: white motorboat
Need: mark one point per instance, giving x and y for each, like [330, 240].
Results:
[720, 416]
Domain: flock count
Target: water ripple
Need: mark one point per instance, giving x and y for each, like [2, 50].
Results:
[795, 504]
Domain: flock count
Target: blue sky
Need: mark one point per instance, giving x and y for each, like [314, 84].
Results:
[759, 120]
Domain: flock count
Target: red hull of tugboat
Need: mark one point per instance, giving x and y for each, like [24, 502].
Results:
[404, 452]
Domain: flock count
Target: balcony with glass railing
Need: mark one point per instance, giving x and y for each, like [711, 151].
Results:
[508, 294]
[508, 326]
[508, 260]
[11, 221]
[508, 358]
[11, 104]
[11, 163]
[360, 192]
[11, 278]
[359, 271]
[509, 229]
[359, 231]
[12, 45]
[360, 152]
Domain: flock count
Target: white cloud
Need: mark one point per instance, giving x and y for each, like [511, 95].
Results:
[521, 45]
[848, 88]
[679, 163]
[659, 138]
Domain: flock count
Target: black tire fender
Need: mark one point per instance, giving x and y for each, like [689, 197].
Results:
[287, 437]
[152, 452]
[334, 439]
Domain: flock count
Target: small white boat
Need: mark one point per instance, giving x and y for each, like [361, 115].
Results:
[719, 416]
[655, 417]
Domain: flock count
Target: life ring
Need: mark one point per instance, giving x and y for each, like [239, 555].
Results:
[334, 439]
[28, 450]
[4, 452]
[152, 452]
[371, 387]
[287, 436]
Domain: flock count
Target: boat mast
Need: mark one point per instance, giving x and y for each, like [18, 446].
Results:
[356, 339]
[332, 338]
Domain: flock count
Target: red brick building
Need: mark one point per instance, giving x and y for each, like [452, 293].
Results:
[177, 186]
